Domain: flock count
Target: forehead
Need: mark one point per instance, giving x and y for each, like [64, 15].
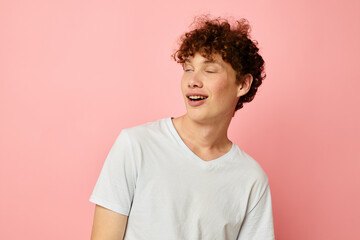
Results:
[199, 58]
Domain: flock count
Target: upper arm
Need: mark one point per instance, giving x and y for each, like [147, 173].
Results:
[258, 223]
[115, 186]
[108, 225]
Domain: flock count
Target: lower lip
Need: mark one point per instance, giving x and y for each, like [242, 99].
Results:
[196, 103]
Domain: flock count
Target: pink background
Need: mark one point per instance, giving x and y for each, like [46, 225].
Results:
[74, 73]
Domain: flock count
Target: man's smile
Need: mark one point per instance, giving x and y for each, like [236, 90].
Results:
[196, 97]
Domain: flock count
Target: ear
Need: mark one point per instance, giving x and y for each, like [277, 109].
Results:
[244, 87]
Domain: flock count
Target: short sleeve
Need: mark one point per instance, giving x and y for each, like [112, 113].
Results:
[115, 186]
[258, 223]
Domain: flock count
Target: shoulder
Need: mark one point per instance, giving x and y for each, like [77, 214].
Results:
[251, 167]
[251, 176]
[147, 127]
[146, 132]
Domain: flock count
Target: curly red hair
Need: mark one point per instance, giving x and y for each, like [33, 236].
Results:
[233, 43]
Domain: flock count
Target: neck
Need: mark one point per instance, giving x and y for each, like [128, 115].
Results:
[208, 139]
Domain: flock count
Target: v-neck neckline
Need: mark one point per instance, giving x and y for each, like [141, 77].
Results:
[191, 154]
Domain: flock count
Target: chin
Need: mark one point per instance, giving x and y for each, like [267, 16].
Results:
[207, 117]
[199, 116]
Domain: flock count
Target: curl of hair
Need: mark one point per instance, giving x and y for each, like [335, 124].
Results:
[233, 43]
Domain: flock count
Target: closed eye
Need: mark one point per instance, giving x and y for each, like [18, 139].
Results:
[187, 68]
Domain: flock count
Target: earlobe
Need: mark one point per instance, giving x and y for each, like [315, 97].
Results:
[245, 86]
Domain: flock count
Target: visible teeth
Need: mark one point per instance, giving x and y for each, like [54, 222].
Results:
[196, 97]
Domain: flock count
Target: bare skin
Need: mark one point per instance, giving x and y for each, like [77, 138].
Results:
[207, 142]
[108, 225]
[204, 127]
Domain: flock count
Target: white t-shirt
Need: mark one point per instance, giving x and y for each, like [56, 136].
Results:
[169, 193]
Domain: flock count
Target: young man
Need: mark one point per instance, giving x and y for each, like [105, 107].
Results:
[182, 178]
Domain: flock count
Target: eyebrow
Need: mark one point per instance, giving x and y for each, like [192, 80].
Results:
[206, 61]
[211, 61]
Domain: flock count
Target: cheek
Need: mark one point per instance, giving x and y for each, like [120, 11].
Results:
[225, 92]
[183, 84]
[222, 87]
[183, 88]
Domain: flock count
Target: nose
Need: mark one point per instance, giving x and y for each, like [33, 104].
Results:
[195, 81]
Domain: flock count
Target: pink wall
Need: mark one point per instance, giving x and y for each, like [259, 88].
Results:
[74, 73]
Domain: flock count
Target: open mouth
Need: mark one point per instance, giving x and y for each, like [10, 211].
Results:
[197, 98]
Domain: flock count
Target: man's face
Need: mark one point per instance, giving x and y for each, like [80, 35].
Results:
[209, 88]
